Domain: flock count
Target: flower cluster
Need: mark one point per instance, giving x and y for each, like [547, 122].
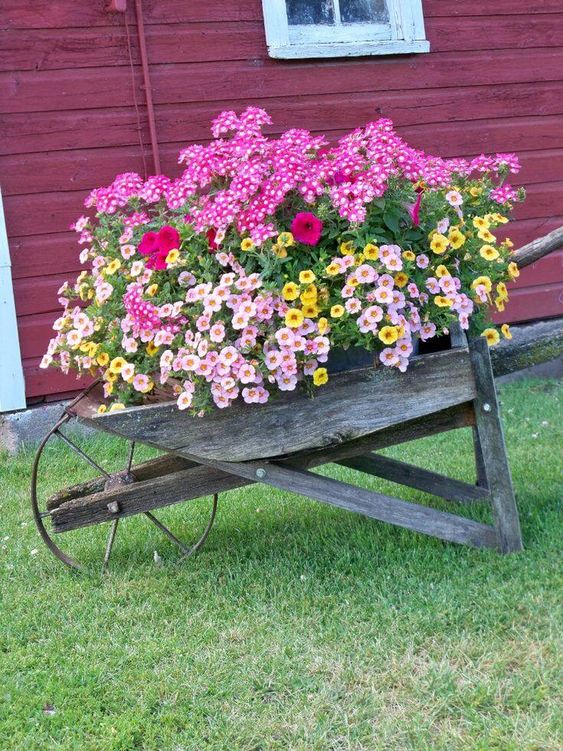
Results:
[236, 279]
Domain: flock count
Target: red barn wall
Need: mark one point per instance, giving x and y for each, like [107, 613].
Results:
[72, 115]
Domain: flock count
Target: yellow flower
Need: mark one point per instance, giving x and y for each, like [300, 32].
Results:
[484, 280]
[371, 252]
[505, 328]
[286, 239]
[481, 223]
[309, 295]
[320, 376]
[353, 281]
[439, 243]
[332, 269]
[307, 277]
[388, 334]
[337, 311]
[499, 304]
[246, 244]
[500, 219]
[456, 238]
[112, 267]
[102, 408]
[116, 364]
[172, 257]
[322, 325]
[103, 359]
[492, 336]
[441, 271]
[408, 255]
[152, 290]
[293, 318]
[151, 349]
[508, 243]
[290, 291]
[110, 377]
[486, 236]
[401, 279]
[488, 252]
[502, 291]
[513, 270]
[442, 302]
[116, 407]
[279, 250]
[347, 248]
[475, 191]
[311, 310]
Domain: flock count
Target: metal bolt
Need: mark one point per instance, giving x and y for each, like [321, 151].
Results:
[487, 407]
[261, 473]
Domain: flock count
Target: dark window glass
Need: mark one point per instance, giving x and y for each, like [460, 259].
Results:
[364, 11]
[310, 12]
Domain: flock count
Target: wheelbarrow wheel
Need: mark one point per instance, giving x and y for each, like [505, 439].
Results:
[42, 508]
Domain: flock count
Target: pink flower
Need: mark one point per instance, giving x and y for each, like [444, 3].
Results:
[389, 357]
[414, 210]
[306, 228]
[422, 261]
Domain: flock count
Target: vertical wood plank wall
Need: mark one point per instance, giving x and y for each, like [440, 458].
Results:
[493, 81]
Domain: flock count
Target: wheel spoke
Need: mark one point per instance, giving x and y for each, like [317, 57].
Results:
[81, 453]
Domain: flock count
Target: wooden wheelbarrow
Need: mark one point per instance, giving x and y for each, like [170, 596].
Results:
[349, 420]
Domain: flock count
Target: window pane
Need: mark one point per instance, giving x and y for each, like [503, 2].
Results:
[364, 11]
[310, 12]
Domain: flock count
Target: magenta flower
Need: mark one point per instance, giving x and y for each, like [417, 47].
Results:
[306, 228]
[414, 210]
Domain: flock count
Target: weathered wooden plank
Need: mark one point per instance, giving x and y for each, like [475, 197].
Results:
[531, 344]
[378, 506]
[139, 497]
[375, 398]
[162, 465]
[491, 437]
[416, 477]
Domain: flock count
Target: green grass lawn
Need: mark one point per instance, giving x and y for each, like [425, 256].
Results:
[298, 626]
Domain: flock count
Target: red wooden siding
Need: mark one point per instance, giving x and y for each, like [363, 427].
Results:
[493, 81]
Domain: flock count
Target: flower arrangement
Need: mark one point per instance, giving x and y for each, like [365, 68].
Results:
[237, 279]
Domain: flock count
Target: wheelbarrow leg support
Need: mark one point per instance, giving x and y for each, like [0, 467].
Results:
[109, 545]
[492, 448]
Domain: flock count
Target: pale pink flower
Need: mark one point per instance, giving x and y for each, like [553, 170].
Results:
[184, 400]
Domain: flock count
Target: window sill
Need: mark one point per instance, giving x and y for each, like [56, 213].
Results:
[348, 49]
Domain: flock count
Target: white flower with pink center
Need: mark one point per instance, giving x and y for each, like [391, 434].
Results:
[190, 362]
[228, 355]
[273, 359]
[365, 274]
[184, 400]
[127, 251]
[383, 295]
[217, 332]
[454, 198]
[141, 382]
[389, 357]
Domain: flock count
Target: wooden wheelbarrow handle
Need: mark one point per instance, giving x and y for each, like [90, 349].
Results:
[532, 252]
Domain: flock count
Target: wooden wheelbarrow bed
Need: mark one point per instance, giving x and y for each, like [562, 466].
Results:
[352, 405]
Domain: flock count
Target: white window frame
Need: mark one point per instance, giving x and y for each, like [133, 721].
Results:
[404, 34]
[12, 386]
